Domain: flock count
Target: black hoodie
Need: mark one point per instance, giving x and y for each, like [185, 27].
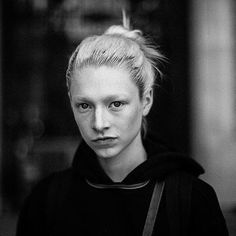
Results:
[85, 201]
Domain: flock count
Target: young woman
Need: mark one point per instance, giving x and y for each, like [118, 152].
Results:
[122, 181]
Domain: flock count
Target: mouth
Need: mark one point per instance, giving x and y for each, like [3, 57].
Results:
[104, 140]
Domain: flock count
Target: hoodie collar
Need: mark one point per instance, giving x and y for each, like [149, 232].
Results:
[161, 162]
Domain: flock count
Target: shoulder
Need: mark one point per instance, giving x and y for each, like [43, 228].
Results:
[199, 203]
[203, 190]
[200, 195]
[34, 212]
[204, 198]
[32, 219]
[206, 213]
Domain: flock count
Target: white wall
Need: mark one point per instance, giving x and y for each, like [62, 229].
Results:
[214, 93]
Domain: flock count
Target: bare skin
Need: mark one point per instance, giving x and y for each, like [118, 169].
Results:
[108, 111]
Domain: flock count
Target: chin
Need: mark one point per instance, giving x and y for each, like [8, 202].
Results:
[106, 153]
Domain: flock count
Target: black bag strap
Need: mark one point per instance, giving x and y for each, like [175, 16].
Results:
[178, 203]
[153, 209]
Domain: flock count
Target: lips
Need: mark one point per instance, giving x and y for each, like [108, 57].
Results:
[104, 140]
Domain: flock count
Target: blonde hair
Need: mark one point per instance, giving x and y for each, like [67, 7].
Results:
[119, 47]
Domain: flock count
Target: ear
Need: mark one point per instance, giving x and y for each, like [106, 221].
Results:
[69, 95]
[147, 102]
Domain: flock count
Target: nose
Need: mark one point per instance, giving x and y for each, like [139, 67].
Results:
[100, 122]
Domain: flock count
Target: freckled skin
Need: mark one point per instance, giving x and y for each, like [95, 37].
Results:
[105, 102]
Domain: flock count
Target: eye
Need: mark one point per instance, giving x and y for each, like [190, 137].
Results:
[116, 104]
[82, 106]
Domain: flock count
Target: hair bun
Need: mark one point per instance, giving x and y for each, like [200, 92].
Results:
[125, 32]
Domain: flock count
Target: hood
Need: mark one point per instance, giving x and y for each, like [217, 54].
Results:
[161, 162]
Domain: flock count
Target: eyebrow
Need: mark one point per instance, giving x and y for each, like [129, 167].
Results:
[108, 98]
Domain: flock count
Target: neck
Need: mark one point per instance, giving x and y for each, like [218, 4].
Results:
[118, 167]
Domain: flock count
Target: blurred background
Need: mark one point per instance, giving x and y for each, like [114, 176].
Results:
[194, 109]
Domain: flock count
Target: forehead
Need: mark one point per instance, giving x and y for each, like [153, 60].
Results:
[97, 82]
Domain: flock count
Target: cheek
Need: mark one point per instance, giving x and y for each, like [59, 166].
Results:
[132, 119]
[82, 122]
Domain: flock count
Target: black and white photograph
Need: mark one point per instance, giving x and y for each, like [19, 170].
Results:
[117, 118]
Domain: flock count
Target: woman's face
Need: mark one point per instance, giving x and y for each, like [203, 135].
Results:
[107, 109]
